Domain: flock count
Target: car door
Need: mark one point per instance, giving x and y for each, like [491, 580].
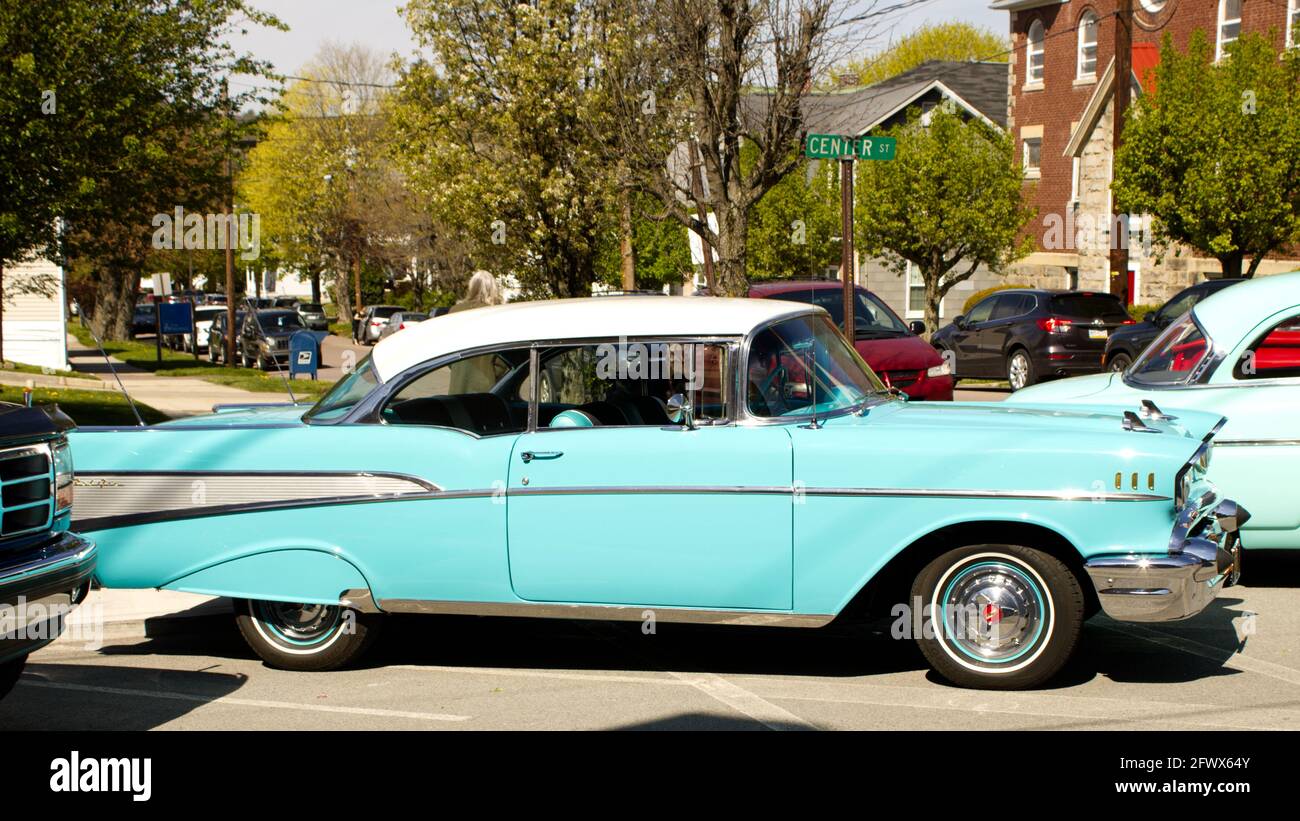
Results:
[966, 340]
[984, 354]
[612, 503]
[996, 334]
[1257, 453]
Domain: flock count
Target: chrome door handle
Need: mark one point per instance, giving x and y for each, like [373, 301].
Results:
[530, 455]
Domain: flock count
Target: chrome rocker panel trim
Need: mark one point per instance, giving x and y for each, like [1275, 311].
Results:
[362, 601]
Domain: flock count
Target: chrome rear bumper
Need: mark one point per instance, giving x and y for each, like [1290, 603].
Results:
[1178, 584]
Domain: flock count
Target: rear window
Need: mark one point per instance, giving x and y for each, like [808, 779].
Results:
[384, 313]
[1089, 306]
[310, 307]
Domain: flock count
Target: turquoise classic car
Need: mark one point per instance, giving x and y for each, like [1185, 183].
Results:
[1236, 354]
[695, 460]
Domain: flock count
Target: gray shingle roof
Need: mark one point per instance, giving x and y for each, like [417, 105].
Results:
[982, 85]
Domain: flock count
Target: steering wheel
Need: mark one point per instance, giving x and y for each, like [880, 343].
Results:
[773, 387]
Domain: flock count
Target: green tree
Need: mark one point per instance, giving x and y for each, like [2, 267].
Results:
[491, 135]
[950, 202]
[1214, 154]
[661, 250]
[938, 41]
[111, 113]
[794, 230]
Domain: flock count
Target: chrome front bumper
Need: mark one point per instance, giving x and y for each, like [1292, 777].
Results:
[1204, 557]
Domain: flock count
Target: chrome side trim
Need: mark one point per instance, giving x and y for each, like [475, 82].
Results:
[604, 612]
[1030, 495]
[1256, 443]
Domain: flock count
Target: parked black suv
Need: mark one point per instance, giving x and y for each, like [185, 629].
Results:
[263, 340]
[1125, 344]
[45, 570]
[1026, 335]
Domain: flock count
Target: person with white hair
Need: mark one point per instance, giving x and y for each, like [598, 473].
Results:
[482, 291]
[478, 373]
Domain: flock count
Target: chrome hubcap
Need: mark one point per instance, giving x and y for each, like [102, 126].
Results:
[993, 611]
[299, 622]
[1019, 371]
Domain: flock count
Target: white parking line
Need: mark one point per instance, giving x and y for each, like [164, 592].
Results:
[743, 701]
[28, 681]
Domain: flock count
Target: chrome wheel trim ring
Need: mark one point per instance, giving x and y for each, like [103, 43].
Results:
[317, 627]
[1041, 632]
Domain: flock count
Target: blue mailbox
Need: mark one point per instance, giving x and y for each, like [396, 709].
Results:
[304, 352]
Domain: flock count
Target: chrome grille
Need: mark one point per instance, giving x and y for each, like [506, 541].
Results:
[26, 490]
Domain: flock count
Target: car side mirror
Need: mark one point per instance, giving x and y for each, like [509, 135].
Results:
[960, 321]
[917, 327]
[1158, 319]
[680, 411]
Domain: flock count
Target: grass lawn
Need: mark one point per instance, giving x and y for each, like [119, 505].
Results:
[86, 407]
[144, 355]
[19, 367]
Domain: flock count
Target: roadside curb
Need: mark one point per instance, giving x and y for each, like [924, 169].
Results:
[96, 620]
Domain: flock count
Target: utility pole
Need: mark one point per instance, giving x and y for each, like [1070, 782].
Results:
[1119, 226]
[846, 245]
[697, 194]
[228, 215]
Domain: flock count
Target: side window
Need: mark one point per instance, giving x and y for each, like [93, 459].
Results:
[1179, 305]
[465, 395]
[982, 311]
[1009, 306]
[629, 383]
[1275, 355]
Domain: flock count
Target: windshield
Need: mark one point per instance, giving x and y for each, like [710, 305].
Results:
[781, 357]
[347, 393]
[1175, 358]
[279, 321]
[870, 317]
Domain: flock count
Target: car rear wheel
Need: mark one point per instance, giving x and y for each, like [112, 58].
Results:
[1120, 362]
[305, 637]
[998, 617]
[9, 673]
[1020, 369]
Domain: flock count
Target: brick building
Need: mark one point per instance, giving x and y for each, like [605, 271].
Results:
[1061, 91]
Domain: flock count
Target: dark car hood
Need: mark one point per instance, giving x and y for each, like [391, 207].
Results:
[903, 353]
[1141, 329]
[19, 424]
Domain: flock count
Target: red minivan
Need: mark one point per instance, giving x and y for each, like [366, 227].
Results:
[899, 357]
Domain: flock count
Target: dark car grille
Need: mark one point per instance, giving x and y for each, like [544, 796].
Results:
[901, 379]
[26, 490]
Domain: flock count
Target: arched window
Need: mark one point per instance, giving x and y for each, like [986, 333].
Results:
[1087, 45]
[1034, 54]
[1229, 25]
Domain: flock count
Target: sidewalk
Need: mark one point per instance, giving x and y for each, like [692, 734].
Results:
[173, 395]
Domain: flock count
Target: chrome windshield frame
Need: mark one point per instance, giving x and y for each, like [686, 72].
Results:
[1197, 376]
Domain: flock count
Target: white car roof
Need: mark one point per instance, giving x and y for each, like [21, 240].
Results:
[563, 319]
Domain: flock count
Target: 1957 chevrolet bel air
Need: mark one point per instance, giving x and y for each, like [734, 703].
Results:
[699, 460]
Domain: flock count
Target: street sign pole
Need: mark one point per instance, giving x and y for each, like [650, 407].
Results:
[847, 150]
[846, 245]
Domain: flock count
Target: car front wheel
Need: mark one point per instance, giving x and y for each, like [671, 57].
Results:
[1020, 370]
[998, 617]
[1120, 362]
[305, 637]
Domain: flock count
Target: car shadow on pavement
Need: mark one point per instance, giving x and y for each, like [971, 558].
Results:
[71, 696]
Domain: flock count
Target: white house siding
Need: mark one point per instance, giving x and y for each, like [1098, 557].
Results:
[34, 324]
[891, 287]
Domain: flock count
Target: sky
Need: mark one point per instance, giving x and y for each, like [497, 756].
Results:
[376, 23]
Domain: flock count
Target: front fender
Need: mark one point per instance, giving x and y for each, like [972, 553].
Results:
[294, 575]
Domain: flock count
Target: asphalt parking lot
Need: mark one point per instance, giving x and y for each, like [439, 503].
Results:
[1223, 669]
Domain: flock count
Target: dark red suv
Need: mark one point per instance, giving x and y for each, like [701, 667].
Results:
[898, 356]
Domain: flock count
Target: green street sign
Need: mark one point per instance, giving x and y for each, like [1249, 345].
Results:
[833, 147]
